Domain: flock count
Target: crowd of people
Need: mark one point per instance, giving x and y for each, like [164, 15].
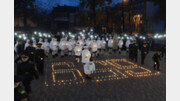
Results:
[31, 55]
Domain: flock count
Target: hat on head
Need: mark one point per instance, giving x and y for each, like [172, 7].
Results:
[24, 53]
[39, 44]
[85, 47]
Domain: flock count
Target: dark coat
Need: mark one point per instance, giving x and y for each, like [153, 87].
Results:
[27, 70]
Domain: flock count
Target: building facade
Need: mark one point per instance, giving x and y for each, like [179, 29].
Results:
[64, 17]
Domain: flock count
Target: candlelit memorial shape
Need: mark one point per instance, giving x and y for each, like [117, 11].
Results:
[64, 73]
[130, 68]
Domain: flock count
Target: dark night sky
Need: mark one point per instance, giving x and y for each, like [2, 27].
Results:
[48, 4]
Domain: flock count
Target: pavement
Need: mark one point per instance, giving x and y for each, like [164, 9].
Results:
[116, 79]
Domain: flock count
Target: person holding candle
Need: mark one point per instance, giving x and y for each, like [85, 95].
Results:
[69, 46]
[46, 47]
[88, 43]
[54, 47]
[80, 41]
[62, 47]
[103, 44]
[156, 58]
[120, 44]
[98, 45]
[86, 55]
[110, 44]
[34, 43]
[78, 51]
[94, 48]
[41, 42]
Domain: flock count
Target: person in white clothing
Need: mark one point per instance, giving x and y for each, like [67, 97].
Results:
[88, 43]
[89, 68]
[54, 47]
[103, 44]
[26, 44]
[34, 44]
[98, 46]
[46, 46]
[94, 48]
[110, 45]
[78, 51]
[15, 47]
[69, 47]
[120, 45]
[127, 45]
[80, 41]
[62, 46]
[86, 55]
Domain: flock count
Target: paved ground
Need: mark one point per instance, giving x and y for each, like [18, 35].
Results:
[116, 79]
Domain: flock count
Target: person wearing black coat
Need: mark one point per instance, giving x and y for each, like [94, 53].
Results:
[27, 70]
[163, 51]
[19, 92]
[131, 48]
[144, 52]
[39, 58]
[156, 58]
[135, 52]
[30, 51]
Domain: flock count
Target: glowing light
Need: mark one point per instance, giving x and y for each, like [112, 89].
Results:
[91, 30]
[32, 38]
[91, 36]
[35, 33]
[15, 33]
[24, 38]
[20, 36]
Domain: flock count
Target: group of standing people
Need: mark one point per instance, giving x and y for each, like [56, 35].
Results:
[31, 55]
[30, 65]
